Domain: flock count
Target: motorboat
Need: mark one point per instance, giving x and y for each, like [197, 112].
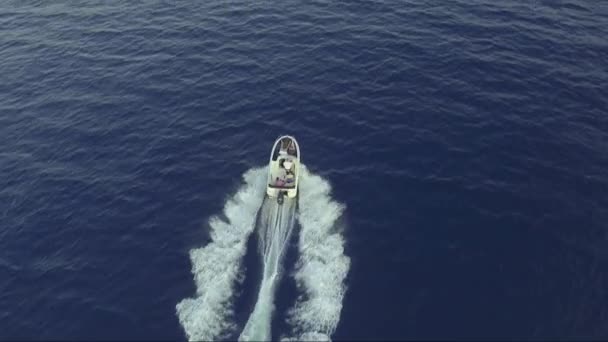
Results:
[284, 169]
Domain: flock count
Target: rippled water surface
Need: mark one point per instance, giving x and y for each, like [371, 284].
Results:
[467, 140]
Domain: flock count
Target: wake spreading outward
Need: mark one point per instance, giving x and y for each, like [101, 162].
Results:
[322, 266]
[217, 266]
[274, 231]
[320, 271]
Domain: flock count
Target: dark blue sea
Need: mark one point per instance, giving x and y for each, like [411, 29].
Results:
[465, 141]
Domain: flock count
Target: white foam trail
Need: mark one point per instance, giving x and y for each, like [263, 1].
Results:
[274, 230]
[217, 266]
[322, 266]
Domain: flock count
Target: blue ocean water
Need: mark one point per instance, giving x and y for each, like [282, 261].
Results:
[467, 140]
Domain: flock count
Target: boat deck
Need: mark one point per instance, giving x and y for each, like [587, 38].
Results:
[279, 179]
[284, 168]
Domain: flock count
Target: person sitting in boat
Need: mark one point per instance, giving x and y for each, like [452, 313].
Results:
[291, 149]
[284, 147]
[279, 182]
[288, 167]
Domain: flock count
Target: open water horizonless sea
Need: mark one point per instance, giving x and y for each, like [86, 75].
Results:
[454, 184]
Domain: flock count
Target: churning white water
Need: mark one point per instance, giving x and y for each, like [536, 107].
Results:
[322, 265]
[320, 272]
[217, 266]
[274, 229]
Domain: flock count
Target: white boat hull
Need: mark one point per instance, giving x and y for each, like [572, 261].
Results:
[284, 168]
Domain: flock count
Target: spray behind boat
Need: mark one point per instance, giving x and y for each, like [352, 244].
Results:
[274, 227]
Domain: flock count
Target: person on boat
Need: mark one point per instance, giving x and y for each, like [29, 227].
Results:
[279, 182]
[288, 165]
[284, 143]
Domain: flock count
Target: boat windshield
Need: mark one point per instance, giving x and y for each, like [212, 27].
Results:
[285, 146]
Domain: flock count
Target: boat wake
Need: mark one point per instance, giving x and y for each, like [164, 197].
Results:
[275, 228]
[322, 266]
[320, 272]
[217, 266]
